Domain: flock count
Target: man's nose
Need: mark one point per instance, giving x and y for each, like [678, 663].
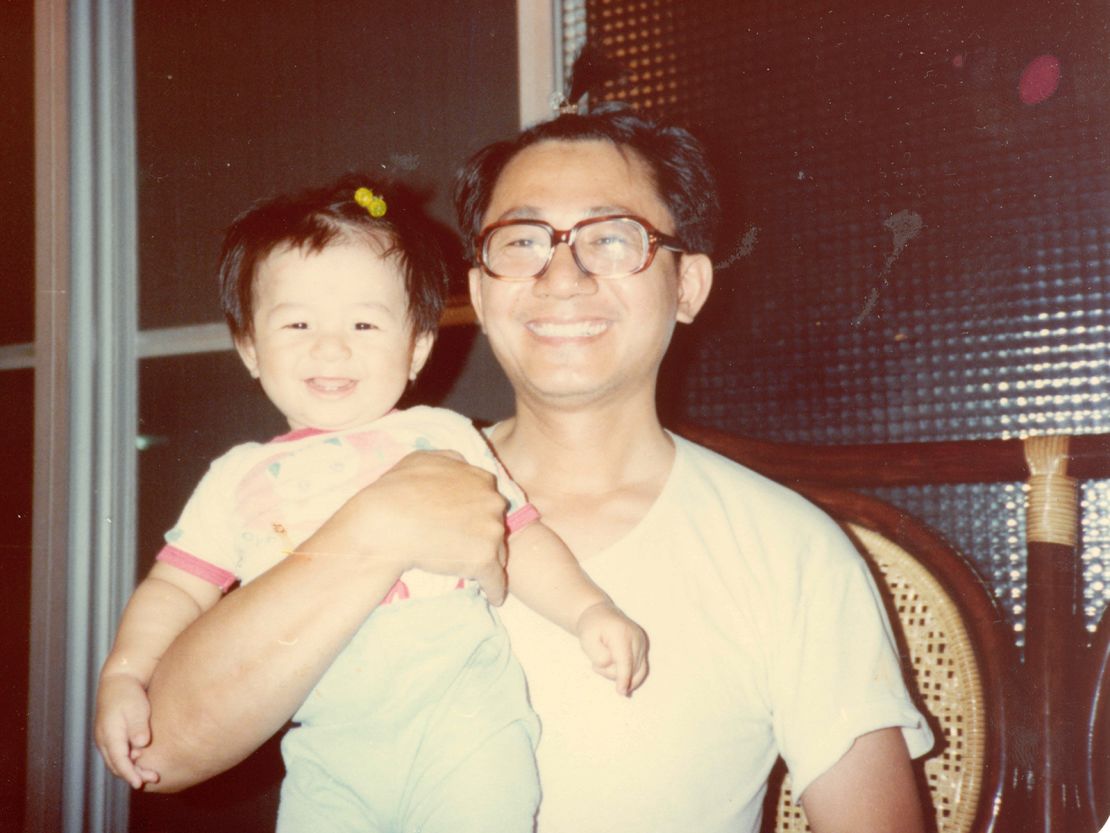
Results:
[564, 277]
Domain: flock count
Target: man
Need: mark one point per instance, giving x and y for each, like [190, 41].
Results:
[591, 234]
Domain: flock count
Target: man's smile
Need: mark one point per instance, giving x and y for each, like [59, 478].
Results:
[568, 329]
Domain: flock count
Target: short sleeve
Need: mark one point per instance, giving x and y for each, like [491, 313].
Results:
[835, 673]
[204, 534]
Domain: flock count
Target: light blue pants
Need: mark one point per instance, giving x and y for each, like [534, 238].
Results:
[421, 724]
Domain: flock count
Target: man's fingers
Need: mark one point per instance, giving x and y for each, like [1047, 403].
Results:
[460, 522]
[493, 583]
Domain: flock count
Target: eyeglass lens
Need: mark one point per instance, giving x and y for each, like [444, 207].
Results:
[604, 248]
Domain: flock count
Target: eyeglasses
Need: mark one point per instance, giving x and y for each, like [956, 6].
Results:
[613, 246]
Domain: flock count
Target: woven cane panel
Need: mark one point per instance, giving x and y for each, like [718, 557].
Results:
[916, 242]
[789, 817]
[1094, 509]
[985, 522]
[946, 680]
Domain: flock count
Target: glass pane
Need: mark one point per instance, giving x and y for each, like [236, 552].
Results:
[915, 246]
[17, 171]
[235, 104]
[16, 487]
[17, 314]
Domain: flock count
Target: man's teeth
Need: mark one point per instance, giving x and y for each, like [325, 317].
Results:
[573, 329]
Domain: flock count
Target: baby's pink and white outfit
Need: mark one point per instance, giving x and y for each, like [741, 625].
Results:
[422, 722]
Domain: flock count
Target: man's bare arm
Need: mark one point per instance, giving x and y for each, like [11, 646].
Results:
[242, 669]
[870, 790]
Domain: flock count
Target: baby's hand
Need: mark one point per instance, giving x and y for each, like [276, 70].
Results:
[123, 727]
[615, 645]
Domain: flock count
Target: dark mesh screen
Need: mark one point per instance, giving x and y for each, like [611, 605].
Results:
[917, 234]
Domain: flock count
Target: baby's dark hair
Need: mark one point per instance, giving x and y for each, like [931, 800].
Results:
[314, 219]
[678, 162]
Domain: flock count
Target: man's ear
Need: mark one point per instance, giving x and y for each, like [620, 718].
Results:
[421, 348]
[695, 279]
[244, 345]
[475, 281]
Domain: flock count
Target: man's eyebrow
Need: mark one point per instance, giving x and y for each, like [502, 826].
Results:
[531, 212]
[523, 212]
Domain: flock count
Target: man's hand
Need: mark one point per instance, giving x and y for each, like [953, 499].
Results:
[434, 512]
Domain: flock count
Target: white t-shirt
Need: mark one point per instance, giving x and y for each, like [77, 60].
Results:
[767, 637]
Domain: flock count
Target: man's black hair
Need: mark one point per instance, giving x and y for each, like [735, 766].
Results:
[677, 160]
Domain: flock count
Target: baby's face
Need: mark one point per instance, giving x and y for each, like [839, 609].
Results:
[332, 342]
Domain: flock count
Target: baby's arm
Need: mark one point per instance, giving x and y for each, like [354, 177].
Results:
[162, 606]
[546, 576]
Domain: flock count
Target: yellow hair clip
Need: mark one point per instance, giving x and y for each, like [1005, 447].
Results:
[374, 204]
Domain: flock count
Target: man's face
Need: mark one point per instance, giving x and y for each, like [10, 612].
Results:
[567, 338]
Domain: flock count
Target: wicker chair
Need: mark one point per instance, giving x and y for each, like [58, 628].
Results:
[957, 652]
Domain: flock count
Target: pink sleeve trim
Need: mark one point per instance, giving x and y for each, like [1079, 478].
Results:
[398, 592]
[196, 566]
[522, 517]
